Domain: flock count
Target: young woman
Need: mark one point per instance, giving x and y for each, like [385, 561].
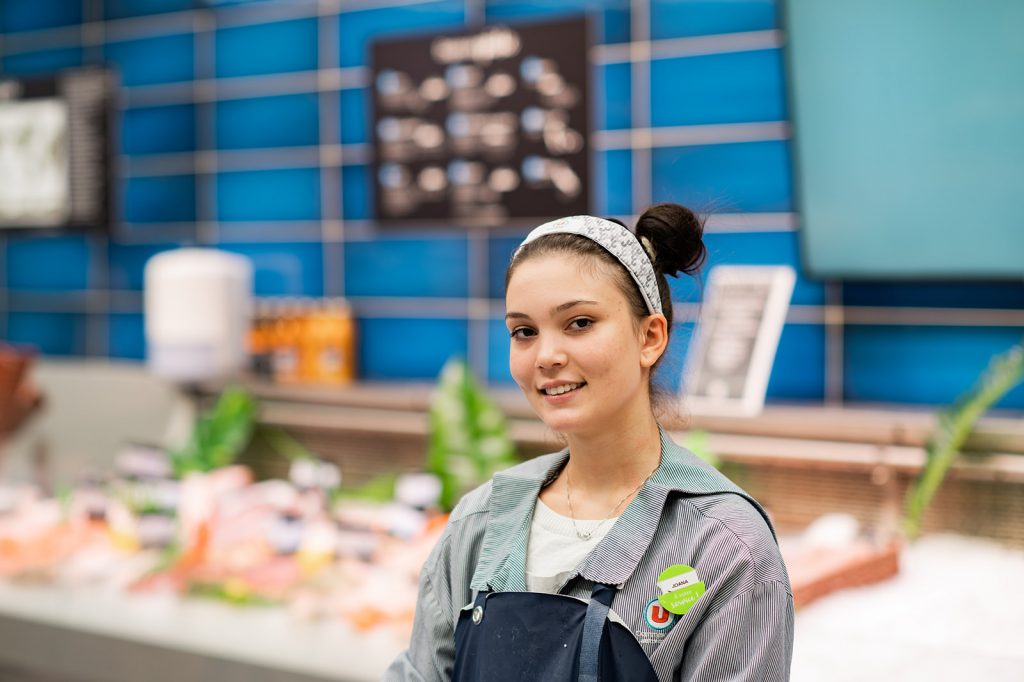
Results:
[622, 557]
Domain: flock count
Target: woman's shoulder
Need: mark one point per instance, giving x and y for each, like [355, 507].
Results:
[734, 514]
[730, 526]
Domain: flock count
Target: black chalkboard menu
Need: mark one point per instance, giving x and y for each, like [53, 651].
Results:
[484, 126]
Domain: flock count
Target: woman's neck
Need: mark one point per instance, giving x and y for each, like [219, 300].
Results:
[614, 458]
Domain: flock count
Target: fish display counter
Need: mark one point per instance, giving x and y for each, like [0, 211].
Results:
[213, 575]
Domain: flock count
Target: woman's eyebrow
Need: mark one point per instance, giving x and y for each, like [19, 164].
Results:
[513, 315]
[571, 304]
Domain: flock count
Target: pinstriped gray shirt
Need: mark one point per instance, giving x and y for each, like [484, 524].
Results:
[687, 513]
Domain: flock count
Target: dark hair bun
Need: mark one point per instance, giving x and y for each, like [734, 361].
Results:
[676, 235]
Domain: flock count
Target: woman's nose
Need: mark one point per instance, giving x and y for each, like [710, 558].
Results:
[550, 353]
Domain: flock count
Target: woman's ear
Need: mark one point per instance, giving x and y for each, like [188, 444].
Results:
[653, 339]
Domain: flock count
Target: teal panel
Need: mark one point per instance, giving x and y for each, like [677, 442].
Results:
[909, 127]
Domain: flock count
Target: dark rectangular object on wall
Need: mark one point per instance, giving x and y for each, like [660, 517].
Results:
[481, 127]
[55, 150]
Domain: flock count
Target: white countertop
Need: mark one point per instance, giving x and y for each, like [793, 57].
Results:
[262, 636]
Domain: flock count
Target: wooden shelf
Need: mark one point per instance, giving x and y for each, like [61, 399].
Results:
[800, 461]
[851, 435]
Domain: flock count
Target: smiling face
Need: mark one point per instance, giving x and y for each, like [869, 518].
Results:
[577, 351]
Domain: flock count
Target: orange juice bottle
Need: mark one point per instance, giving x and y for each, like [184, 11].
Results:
[308, 317]
[332, 343]
[346, 325]
[259, 340]
[285, 338]
[321, 354]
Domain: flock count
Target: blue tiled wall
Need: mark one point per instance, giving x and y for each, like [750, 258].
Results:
[233, 133]
[149, 61]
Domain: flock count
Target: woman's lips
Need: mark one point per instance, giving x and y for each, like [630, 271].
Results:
[564, 392]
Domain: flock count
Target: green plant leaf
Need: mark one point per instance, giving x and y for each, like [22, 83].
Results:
[697, 443]
[233, 592]
[284, 444]
[219, 435]
[469, 438]
[953, 427]
[378, 489]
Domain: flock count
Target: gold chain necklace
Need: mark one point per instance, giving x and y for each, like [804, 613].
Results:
[572, 514]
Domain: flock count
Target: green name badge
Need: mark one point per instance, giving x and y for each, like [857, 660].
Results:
[680, 588]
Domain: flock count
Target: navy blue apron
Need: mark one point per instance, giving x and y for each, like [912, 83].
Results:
[527, 636]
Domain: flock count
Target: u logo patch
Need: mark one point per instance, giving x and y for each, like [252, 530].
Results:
[657, 616]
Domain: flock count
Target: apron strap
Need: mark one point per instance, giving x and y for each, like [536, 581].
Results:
[593, 628]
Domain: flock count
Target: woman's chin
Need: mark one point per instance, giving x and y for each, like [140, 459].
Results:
[567, 424]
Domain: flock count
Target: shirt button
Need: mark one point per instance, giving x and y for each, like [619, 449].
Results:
[478, 615]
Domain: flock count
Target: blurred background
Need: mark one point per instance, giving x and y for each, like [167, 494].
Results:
[247, 126]
[357, 175]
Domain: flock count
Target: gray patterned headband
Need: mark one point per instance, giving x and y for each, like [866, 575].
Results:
[615, 239]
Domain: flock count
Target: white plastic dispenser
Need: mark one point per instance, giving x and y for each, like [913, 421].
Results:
[198, 306]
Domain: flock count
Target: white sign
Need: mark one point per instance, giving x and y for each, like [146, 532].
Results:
[36, 186]
[732, 352]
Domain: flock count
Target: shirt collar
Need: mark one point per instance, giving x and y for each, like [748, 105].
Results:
[502, 563]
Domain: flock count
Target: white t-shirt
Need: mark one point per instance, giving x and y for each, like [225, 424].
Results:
[554, 550]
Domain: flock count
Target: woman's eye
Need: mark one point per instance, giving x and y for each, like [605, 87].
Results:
[522, 333]
[581, 323]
